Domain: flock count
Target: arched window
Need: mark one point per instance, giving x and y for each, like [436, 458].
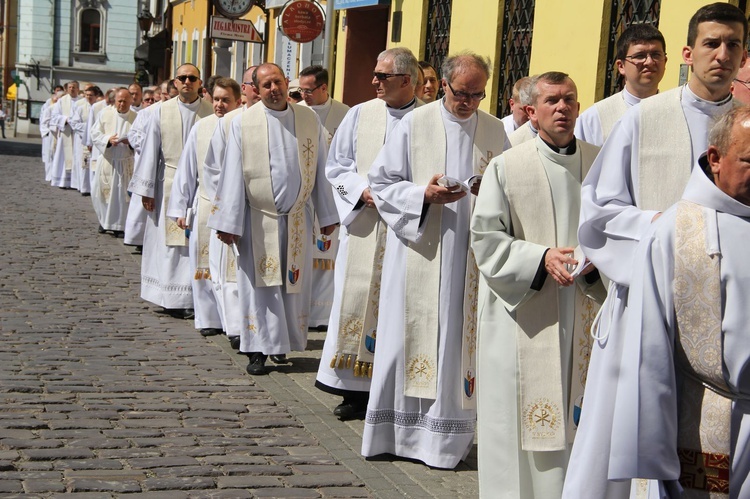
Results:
[91, 28]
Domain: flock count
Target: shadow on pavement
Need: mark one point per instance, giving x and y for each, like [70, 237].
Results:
[13, 147]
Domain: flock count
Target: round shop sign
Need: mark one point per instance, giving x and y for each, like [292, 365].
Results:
[302, 20]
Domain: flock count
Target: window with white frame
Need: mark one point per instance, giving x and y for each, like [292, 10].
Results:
[89, 29]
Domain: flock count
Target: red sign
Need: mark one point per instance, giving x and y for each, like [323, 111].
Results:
[302, 21]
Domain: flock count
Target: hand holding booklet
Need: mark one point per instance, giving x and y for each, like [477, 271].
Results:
[465, 185]
[583, 263]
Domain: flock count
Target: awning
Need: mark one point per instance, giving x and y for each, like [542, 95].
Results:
[11, 93]
[151, 52]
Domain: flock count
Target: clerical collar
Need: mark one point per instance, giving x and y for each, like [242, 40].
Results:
[718, 103]
[568, 150]
[407, 106]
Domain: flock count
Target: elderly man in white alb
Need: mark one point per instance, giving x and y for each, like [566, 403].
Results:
[190, 196]
[422, 399]
[165, 268]
[641, 60]
[273, 168]
[115, 164]
[641, 170]
[354, 314]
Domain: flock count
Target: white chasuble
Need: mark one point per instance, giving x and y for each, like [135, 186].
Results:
[596, 123]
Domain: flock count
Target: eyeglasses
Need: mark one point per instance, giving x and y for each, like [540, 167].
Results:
[295, 95]
[467, 95]
[641, 57]
[384, 76]
[148, 100]
[309, 91]
[184, 78]
[248, 83]
[744, 83]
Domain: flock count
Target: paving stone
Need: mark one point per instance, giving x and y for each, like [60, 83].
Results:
[37, 486]
[248, 469]
[322, 480]
[11, 486]
[61, 453]
[91, 485]
[343, 492]
[162, 462]
[187, 483]
[285, 493]
[248, 482]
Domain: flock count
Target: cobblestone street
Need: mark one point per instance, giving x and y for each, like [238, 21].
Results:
[103, 396]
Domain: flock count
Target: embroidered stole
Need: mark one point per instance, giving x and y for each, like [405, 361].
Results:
[66, 134]
[358, 317]
[172, 145]
[610, 111]
[665, 151]
[231, 259]
[705, 399]
[543, 425]
[423, 260]
[264, 218]
[200, 229]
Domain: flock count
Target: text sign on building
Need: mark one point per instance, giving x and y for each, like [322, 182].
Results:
[237, 29]
[302, 21]
[352, 4]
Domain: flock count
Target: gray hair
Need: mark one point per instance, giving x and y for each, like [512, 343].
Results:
[551, 77]
[463, 61]
[404, 62]
[522, 91]
[721, 133]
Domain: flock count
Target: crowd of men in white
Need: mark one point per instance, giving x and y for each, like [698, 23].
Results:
[470, 266]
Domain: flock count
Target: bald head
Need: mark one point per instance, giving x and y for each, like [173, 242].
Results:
[741, 84]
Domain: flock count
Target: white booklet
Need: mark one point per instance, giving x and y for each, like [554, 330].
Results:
[583, 263]
[465, 185]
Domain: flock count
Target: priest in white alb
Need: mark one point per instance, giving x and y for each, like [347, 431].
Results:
[534, 314]
[273, 168]
[422, 399]
[59, 124]
[642, 169]
[80, 178]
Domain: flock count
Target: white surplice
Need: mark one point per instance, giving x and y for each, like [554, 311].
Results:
[589, 123]
[165, 270]
[47, 138]
[437, 432]
[59, 124]
[341, 170]
[645, 429]
[274, 321]
[184, 194]
[135, 224]
[113, 169]
[96, 200]
[510, 266]
[611, 225]
[79, 177]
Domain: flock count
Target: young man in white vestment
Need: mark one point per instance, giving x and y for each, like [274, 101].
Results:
[96, 200]
[115, 164]
[422, 400]
[313, 86]
[534, 315]
[273, 168]
[683, 407]
[431, 84]
[346, 362]
[641, 59]
[59, 124]
[641, 170]
[190, 197]
[48, 136]
[165, 267]
[518, 101]
[80, 178]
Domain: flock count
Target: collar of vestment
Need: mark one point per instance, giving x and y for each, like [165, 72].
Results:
[702, 190]
[319, 107]
[711, 108]
[630, 99]
[193, 106]
[405, 107]
[567, 150]
[447, 115]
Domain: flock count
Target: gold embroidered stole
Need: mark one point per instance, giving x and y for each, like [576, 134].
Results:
[610, 111]
[172, 145]
[358, 316]
[664, 151]
[705, 400]
[423, 260]
[200, 229]
[264, 218]
[542, 408]
[66, 134]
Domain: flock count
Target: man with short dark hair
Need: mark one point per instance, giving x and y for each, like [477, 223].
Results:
[642, 169]
[431, 83]
[422, 400]
[165, 269]
[272, 169]
[136, 92]
[641, 60]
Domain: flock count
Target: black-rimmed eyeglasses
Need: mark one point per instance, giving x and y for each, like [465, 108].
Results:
[384, 76]
[466, 95]
[309, 91]
[641, 57]
[744, 83]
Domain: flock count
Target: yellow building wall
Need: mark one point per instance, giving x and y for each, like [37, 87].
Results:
[476, 25]
[338, 60]
[190, 16]
[571, 40]
[413, 26]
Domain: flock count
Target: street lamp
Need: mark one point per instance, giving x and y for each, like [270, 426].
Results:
[145, 19]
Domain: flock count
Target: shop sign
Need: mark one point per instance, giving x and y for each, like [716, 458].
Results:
[234, 29]
[302, 21]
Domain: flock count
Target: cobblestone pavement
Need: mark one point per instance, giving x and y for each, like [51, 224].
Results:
[103, 396]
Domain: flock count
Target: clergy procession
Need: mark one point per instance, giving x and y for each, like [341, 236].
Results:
[566, 291]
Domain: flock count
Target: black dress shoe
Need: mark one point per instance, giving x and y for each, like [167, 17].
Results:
[101, 230]
[85, 194]
[350, 410]
[139, 249]
[181, 313]
[279, 359]
[211, 331]
[118, 234]
[234, 342]
[257, 364]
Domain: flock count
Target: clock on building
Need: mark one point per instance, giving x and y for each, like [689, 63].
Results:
[233, 8]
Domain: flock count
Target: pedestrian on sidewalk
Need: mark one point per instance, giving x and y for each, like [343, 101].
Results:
[2, 121]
